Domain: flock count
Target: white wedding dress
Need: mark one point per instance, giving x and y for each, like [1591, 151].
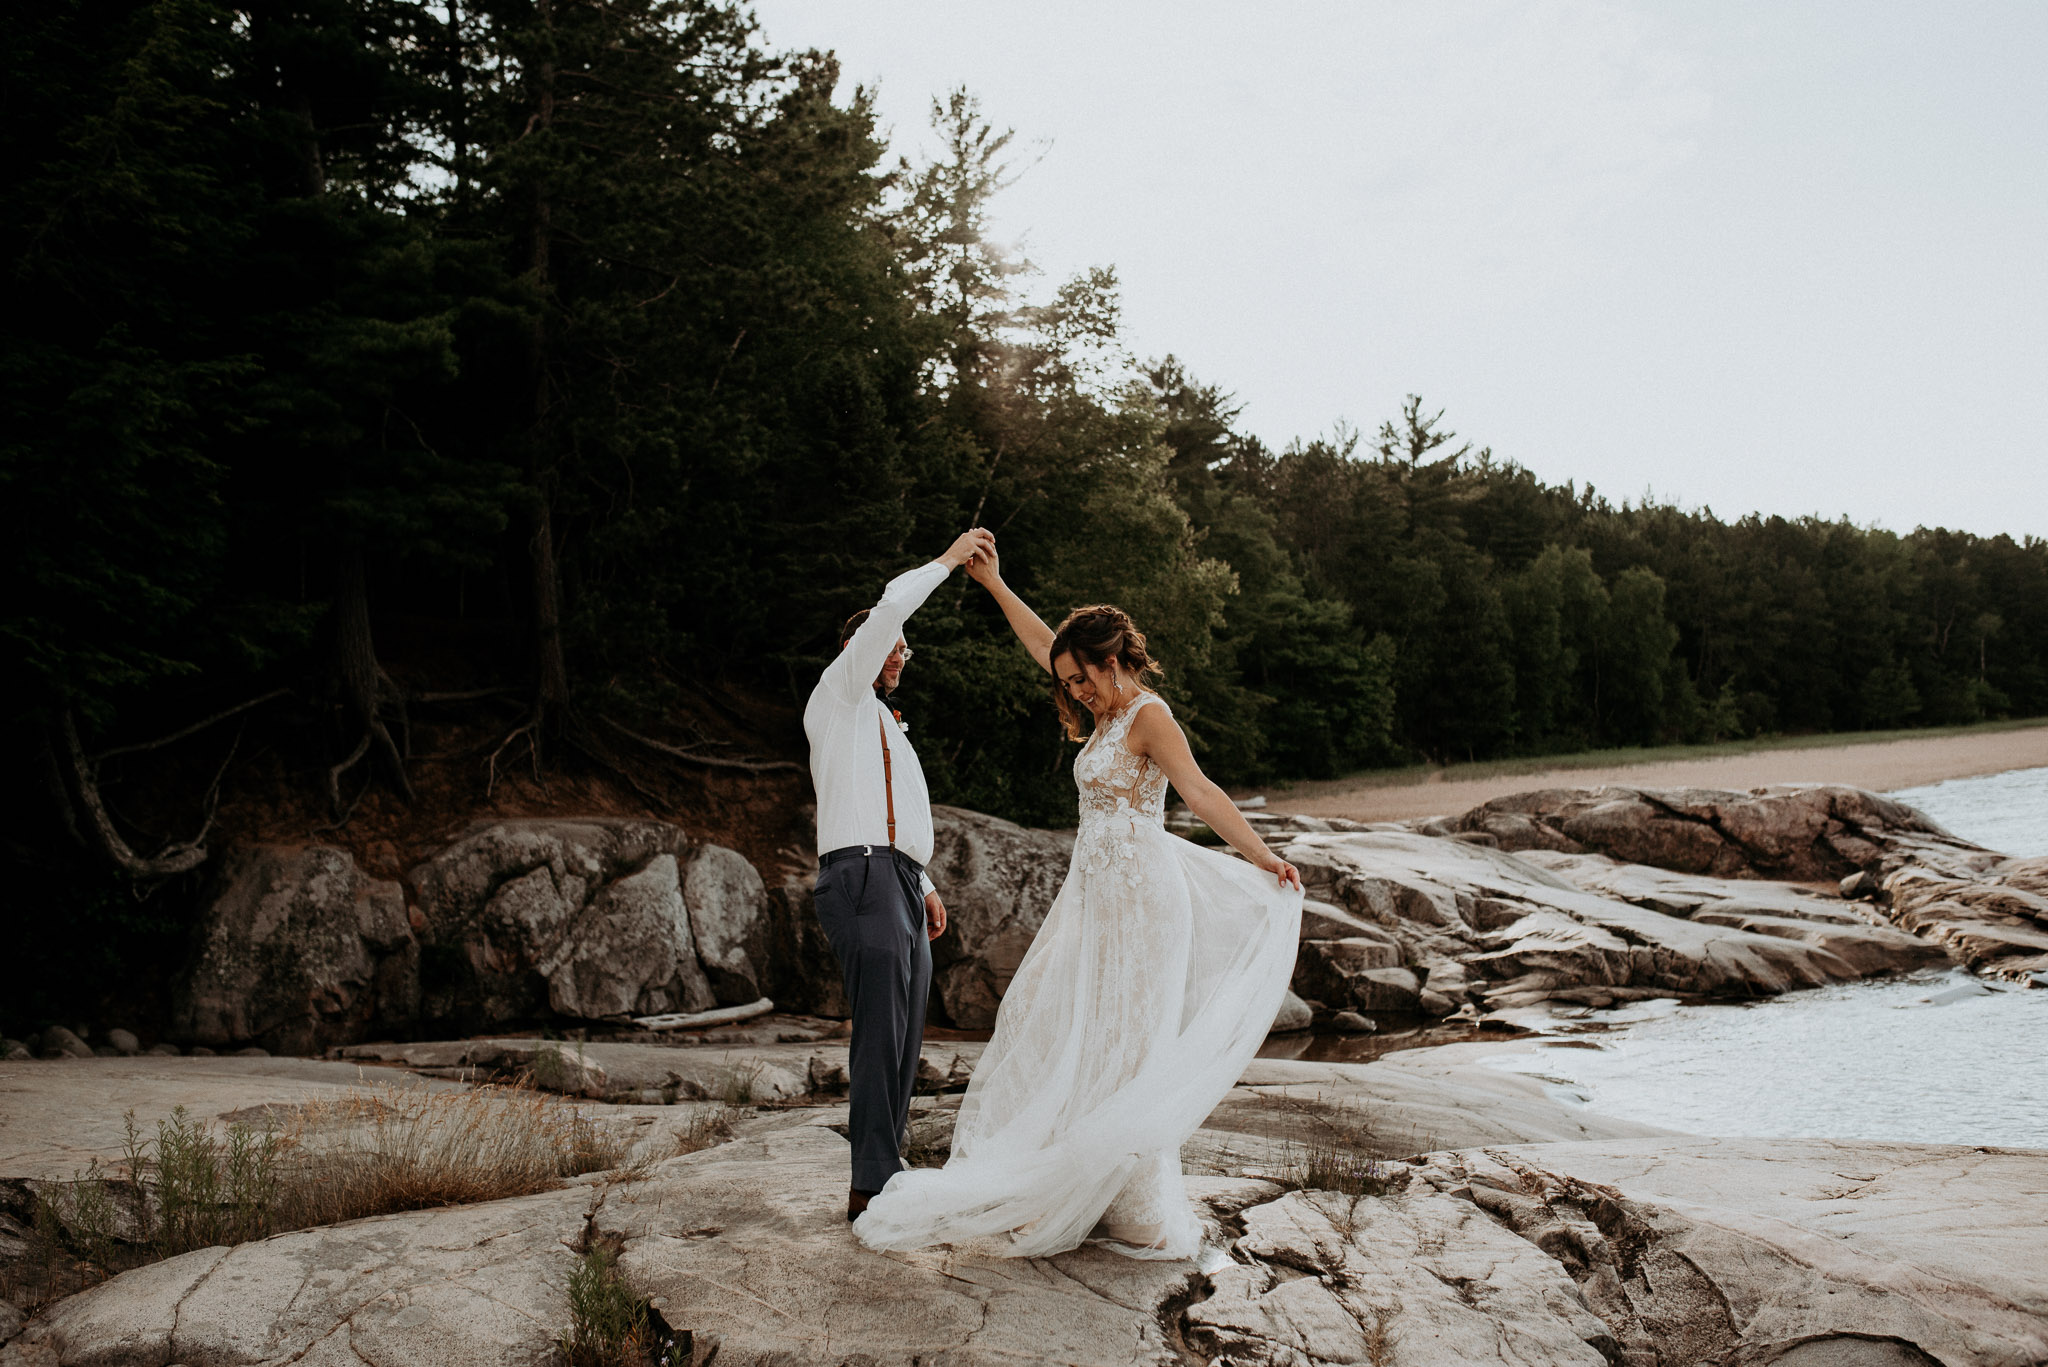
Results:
[1146, 993]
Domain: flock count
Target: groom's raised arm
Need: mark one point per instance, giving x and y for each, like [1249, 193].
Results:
[853, 672]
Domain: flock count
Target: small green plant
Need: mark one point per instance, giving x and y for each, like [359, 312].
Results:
[608, 1325]
[930, 1140]
[92, 1219]
[1330, 1148]
[208, 1190]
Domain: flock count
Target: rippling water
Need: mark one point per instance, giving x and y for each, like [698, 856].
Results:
[1934, 1058]
[1939, 1057]
[2007, 812]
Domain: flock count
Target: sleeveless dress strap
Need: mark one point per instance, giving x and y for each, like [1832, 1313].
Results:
[1130, 714]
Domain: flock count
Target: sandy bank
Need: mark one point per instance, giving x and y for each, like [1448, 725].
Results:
[1880, 767]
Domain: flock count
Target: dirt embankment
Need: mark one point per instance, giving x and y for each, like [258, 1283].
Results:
[1879, 767]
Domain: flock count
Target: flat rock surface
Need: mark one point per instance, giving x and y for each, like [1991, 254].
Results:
[483, 1285]
[1699, 1247]
[1650, 1250]
[58, 1115]
[1409, 1102]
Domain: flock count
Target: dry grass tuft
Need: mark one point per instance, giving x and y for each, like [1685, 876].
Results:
[742, 1081]
[374, 1153]
[708, 1129]
[1340, 1151]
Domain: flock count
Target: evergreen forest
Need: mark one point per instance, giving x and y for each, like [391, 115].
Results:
[347, 334]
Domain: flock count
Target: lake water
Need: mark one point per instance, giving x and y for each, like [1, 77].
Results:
[1939, 1057]
[2006, 811]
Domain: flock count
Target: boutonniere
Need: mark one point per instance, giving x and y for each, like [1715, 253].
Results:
[901, 725]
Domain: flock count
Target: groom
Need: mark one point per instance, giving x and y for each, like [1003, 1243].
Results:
[878, 908]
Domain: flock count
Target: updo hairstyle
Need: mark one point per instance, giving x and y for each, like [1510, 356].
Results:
[1095, 636]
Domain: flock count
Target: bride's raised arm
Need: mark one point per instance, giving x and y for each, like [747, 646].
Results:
[1154, 732]
[986, 570]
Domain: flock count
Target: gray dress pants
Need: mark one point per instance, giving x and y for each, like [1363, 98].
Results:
[872, 910]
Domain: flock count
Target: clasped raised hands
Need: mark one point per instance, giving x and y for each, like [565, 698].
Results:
[969, 547]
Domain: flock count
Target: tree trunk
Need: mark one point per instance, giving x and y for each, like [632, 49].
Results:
[552, 713]
[551, 667]
[551, 670]
[365, 687]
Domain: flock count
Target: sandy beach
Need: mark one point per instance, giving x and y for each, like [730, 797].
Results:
[1879, 766]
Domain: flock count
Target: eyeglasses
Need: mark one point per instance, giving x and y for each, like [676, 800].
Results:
[901, 655]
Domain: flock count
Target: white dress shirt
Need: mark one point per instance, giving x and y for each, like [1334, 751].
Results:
[847, 724]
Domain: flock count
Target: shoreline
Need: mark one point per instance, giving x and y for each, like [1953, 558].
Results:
[1880, 766]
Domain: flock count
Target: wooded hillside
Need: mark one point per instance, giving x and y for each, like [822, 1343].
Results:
[560, 375]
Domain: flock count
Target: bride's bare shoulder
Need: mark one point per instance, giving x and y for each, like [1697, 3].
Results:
[1151, 718]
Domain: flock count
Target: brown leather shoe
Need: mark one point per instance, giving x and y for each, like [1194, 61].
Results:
[857, 1201]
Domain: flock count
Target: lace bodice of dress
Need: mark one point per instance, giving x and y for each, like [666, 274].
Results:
[1119, 789]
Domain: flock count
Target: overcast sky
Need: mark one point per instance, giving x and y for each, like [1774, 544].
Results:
[1748, 254]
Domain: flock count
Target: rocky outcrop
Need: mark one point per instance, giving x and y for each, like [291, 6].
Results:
[1801, 833]
[582, 918]
[483, 1285]
[1458, 921]
[299, 949]
[1656, 1251]
[1602, 893]
[1987, 909]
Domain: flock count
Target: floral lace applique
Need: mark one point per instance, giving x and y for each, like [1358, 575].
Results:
[1118, 791]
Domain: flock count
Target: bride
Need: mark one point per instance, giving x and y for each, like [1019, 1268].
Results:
[1156, 974]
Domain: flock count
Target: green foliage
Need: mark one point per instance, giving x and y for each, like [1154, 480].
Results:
[210, 1190]
[608, 1323]
[601, 331]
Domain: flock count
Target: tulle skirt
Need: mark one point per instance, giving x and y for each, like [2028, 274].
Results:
[1146, 993]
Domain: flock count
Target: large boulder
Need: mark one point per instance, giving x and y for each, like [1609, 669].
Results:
[299, 949]
[998, 881]
[728, 906]
[582, 918]
[1801, 832]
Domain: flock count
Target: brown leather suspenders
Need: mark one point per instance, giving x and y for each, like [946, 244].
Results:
[888, 780]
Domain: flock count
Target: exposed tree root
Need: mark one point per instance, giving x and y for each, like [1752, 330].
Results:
[541, 727]
[530, 729]
[750, 766]
[81, 783]
[366, 690]
[194, 729]
[75, 787]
